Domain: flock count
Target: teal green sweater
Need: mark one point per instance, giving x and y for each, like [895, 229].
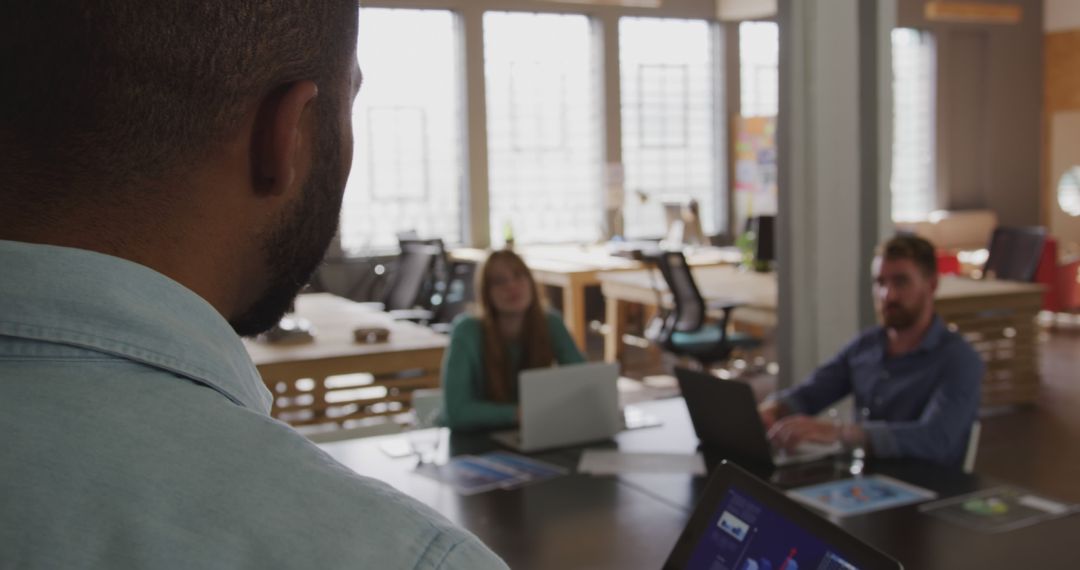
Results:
[464, 377]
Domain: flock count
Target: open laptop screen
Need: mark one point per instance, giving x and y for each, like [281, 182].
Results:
[742, 523]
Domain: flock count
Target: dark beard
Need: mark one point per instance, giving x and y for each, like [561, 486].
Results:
[902, 318]
[295, 246]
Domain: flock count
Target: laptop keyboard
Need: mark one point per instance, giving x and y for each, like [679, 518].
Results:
[806, 451]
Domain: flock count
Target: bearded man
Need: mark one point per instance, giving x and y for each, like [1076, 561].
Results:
[916, 383]
[170, 175]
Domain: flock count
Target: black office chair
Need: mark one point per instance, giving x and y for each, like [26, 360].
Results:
[1014, 253]
[409, 294]
[457, 295]
[685, 330]
[434, 287]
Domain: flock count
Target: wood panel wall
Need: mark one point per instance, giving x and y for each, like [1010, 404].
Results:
[1062, 66]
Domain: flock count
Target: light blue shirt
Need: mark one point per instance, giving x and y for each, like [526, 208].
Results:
[136, 434]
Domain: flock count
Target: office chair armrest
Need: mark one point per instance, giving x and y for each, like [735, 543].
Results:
[725, 305]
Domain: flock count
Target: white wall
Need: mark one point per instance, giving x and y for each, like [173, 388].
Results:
[1061, 15]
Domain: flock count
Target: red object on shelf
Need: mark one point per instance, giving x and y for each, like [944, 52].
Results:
[1046, 274]
[1068, 286]
[947, 263]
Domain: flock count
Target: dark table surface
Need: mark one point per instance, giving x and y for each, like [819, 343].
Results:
[633, 520]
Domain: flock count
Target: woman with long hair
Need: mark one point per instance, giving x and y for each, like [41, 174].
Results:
[511, 332]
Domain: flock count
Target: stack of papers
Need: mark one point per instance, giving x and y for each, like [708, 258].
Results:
[614, 462]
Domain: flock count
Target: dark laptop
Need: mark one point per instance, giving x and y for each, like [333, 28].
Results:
[742, 523]
[725, 418]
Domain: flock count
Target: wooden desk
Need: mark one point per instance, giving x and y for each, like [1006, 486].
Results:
[996, 317]
[572, 268]
[632, 521]
[302, 377]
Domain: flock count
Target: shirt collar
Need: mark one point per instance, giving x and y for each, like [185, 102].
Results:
[115, 306]
[933, 335]
[929, 342]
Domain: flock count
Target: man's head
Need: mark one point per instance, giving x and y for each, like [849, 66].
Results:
[905, 279]
[293, 246]
[221, 125]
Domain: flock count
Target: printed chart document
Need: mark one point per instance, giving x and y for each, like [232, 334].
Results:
[998, 510]
[614, 462]
[472, 474]
[860, 495]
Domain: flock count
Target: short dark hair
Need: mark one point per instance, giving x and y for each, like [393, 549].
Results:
[108, 92]
[913, 247]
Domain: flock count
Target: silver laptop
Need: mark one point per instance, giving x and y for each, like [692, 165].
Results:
[565, 406]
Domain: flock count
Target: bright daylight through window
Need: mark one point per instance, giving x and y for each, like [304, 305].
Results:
[408, 152]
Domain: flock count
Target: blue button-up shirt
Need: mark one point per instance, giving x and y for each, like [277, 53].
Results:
[920, 404]
[136, 434]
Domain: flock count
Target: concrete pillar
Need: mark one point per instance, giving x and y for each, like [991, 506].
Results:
[834, 145]
[476, 219]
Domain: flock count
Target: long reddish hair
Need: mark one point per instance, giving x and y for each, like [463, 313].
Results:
[535, 340]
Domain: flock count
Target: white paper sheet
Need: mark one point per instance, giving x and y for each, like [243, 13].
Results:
[614, 462]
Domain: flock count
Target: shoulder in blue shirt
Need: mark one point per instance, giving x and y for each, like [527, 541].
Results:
[920, 404]
[137, 435]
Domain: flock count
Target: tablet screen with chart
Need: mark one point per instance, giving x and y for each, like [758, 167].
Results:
[743, 523]
[746, 535]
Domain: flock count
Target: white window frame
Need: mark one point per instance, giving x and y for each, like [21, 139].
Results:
[604, 16]
[929, 195]
[718, 224]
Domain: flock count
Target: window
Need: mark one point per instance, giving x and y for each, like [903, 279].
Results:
[544, 127]
[755, 156]
[669, 128]
[759, 63]
[409, 150]
[913, 189]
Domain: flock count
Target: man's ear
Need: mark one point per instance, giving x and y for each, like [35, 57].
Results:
[282, 137]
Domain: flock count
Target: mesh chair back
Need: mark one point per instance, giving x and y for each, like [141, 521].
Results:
[459, 293]
[414, 270]
[434, 288]
[689, 314]
[1014, 253]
